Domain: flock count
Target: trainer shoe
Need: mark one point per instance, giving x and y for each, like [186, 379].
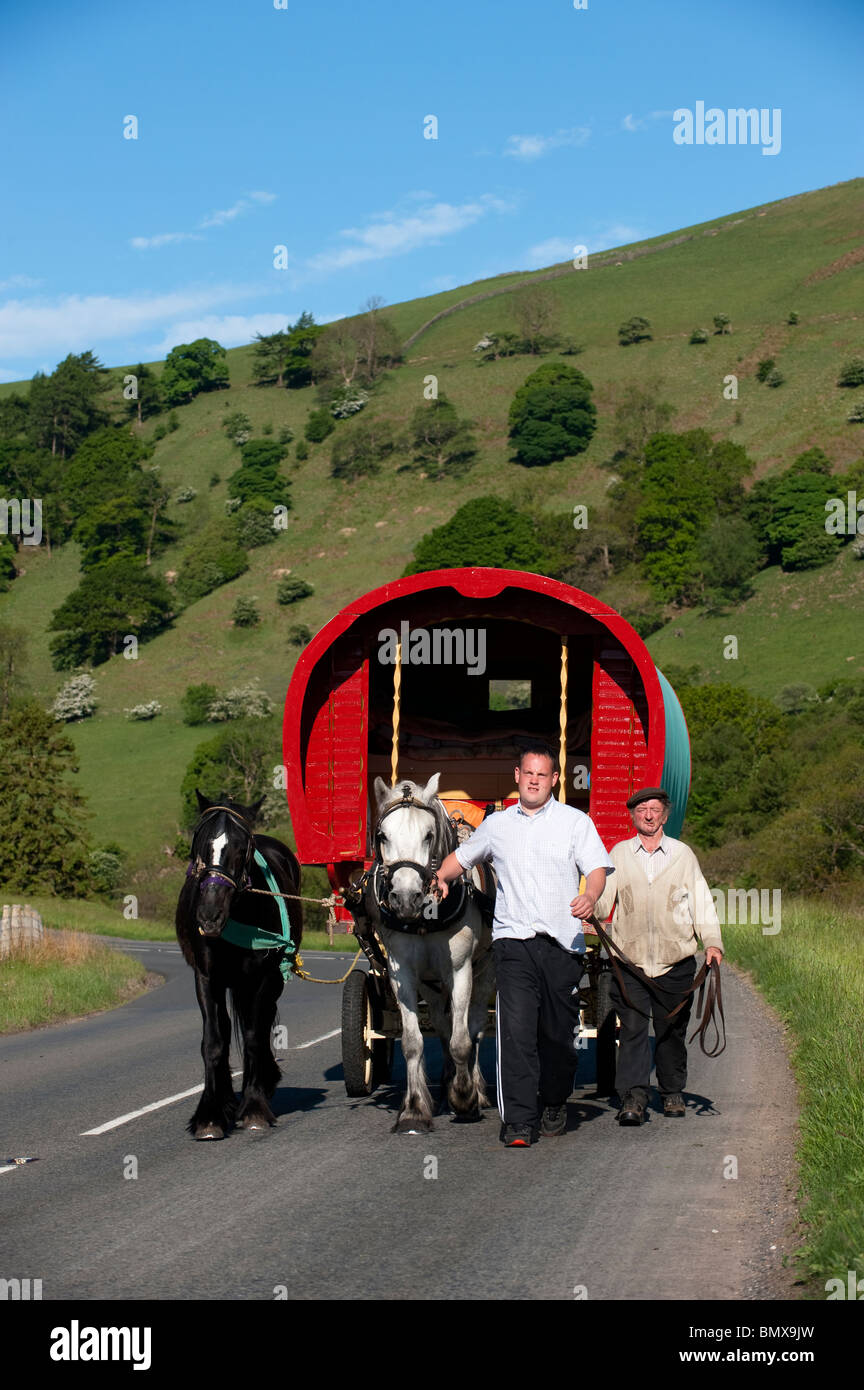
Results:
[518, 1136]
[674, 1104]
[553, 1121]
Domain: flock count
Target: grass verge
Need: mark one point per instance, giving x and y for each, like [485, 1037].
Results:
[65, 976]
[812, 973]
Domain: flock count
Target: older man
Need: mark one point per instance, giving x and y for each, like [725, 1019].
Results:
[539, 848]
[662, 904]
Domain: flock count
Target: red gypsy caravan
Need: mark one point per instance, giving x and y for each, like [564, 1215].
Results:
[453, 671]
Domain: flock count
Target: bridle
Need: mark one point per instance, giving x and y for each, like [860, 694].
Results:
[427, 871]
[205, 873]
[379, 878]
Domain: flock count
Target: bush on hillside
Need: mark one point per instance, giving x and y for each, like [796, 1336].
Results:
[318, 426]
[145, 711]
[764, 368]
[242, 702]
[485, 531]
[852, 372]
[196, 703]
[245, 613]
[722, 323]
[442, 442]
[292, 588]
[552, 415]
[299, 635]
[214, 558]
[699, 335]
[76, 699]
[635, 330]
[359, 450]
[254, 522]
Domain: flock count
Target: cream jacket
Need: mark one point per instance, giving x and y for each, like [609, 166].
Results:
[657, 924]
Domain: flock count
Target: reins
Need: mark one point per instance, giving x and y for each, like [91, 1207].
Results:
[708, 975]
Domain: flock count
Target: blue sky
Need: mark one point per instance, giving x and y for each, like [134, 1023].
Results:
[303, 127]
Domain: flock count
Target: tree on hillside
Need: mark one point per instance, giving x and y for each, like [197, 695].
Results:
[215, 557]
[302, 337]
[788, 517]
[26, 471]
[852, 372]
[379, 339]
[148, 400]
[114, 600]
[14, 416]
[442, 442]
[13, 660]
[535, 311]
[191, 368]
[635, 330]
[108, 465]
[258, 475]
[485, 531]
[639, 414]
[268, 357]
[359, 451]
[729, 557]
[65, 407]
[41, 812]
[238, 763]
[552, 415]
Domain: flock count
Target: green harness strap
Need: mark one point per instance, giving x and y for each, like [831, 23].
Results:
[256, 938]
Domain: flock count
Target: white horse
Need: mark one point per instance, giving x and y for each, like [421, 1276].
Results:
[446, 960]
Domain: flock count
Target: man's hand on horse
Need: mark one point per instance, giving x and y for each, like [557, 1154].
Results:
[582, 906]
[439, 889]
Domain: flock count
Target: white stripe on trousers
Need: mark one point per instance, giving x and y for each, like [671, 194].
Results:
[498, 1085]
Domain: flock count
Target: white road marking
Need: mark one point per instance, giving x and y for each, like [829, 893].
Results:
[313, 1041]
[182, 1095]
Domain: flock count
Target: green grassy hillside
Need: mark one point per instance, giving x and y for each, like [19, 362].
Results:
[804, 254]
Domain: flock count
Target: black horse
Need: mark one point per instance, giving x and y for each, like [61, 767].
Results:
[222, 868]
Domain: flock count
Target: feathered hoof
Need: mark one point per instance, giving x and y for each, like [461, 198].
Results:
[211, 1131]
[254, 1123]
[412, 1124]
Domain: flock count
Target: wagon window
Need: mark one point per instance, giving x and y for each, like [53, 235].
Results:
[509, 694]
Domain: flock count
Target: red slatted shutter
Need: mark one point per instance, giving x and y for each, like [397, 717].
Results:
[619, 750]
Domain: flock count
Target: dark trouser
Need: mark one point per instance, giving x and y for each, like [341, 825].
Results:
[670, 1048]
[536, 1014]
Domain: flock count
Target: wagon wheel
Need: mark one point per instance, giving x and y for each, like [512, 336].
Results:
[359, 1051]
[607, 1049]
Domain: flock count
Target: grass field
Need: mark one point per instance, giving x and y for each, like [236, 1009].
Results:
[64, 977]
[812, 973]
[801, 253]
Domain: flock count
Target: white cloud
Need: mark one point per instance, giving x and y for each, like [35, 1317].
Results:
[75, 322]
[394, 236]
[20, 282]
[556, 248]
[213, 219]
[534, 146]
[629, 123]
[231, 330]
[614, 234]
[149, 243]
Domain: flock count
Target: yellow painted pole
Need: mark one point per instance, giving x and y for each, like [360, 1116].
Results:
[397, 700]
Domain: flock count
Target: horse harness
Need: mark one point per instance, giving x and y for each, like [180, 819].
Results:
[243, 933]
[368, 893]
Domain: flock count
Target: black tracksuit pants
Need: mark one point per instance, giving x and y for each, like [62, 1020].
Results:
[536, 1015]
[633, 1072]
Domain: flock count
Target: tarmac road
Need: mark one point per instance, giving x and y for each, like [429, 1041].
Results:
[330, 1204]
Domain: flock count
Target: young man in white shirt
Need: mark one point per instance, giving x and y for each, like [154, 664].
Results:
[539, 848]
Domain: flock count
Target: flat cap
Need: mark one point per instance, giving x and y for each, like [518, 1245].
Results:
[648, 794]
